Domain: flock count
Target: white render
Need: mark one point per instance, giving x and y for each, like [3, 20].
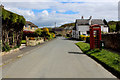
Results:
[82, 29]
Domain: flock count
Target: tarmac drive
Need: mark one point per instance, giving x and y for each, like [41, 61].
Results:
[59, 58]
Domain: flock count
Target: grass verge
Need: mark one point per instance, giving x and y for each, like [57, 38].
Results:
[106, 58]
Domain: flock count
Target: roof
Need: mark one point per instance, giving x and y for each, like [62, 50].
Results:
[83, 21]
[97, 21]
[86, 21]
[30, 23]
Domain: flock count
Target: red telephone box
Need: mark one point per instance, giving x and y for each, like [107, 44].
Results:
[95, 36]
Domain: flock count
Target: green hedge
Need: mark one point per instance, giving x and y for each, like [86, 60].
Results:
[12, 17]
[109, 58]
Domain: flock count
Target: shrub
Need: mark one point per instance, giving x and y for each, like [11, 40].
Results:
[88, 39]
[82, 37]
[16, 47]
[6, 47]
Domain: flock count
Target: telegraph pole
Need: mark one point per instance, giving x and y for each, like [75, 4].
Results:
[55, 27]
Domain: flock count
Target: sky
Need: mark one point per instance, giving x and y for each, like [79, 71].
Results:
[44, 13]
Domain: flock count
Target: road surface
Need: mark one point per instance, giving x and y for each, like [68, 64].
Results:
[59, 58]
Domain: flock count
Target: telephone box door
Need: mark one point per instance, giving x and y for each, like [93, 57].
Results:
[95, 36]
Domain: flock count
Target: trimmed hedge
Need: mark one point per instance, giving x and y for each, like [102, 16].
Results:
[109, 58]
[12, 17]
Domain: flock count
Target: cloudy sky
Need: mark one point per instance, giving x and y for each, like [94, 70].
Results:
[44, 13]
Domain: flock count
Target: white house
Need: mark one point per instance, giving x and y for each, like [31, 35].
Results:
[29, 26]
[82, 26]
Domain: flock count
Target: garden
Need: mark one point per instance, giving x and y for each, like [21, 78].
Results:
[37, 37]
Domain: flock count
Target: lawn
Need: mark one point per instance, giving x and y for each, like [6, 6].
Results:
[23, 42]
[109, 58]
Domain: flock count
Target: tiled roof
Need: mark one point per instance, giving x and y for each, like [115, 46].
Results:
[30, 23]
[97, 21]
[82, 21]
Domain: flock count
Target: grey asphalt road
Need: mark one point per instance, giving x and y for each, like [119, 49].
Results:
[59, 58]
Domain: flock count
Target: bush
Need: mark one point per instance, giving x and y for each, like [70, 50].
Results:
[16, 47]
[6, 47]
[88, 39]
[82, 37]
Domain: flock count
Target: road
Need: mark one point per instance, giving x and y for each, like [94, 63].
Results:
[59, 58]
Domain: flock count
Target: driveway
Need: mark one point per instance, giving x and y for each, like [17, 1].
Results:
[59, 58]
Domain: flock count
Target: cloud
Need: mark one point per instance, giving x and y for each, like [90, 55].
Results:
[60, 0]
[47, 13]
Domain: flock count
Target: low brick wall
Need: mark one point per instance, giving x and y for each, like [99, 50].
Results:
[112, 41]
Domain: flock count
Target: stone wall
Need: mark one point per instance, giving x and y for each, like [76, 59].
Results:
[112, 41]
[33, 42]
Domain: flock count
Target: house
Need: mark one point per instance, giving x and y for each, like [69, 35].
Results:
[29, 26]
[82, 26]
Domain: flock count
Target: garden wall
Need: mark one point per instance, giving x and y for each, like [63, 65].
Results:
[112, 41]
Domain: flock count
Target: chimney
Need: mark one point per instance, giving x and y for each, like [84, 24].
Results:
[90, 17]
[82, 17]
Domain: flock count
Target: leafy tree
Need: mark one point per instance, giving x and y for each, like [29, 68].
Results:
[12, 22]
[45, 32]
[117, 27]
[38, 31]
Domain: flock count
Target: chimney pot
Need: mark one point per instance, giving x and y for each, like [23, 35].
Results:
[90, 17]
[82, 17]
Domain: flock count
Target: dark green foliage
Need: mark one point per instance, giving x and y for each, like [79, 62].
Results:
[11, 22]
[112, 25]
[12, 17]
[117, 27]
[80, 38]
[6, 48]
[16, 47]
[87, 39]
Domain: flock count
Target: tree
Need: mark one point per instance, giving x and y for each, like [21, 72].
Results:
[38, 31]
[117, 27]
[12, 23]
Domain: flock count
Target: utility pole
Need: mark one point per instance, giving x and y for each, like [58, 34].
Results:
[55, 27]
